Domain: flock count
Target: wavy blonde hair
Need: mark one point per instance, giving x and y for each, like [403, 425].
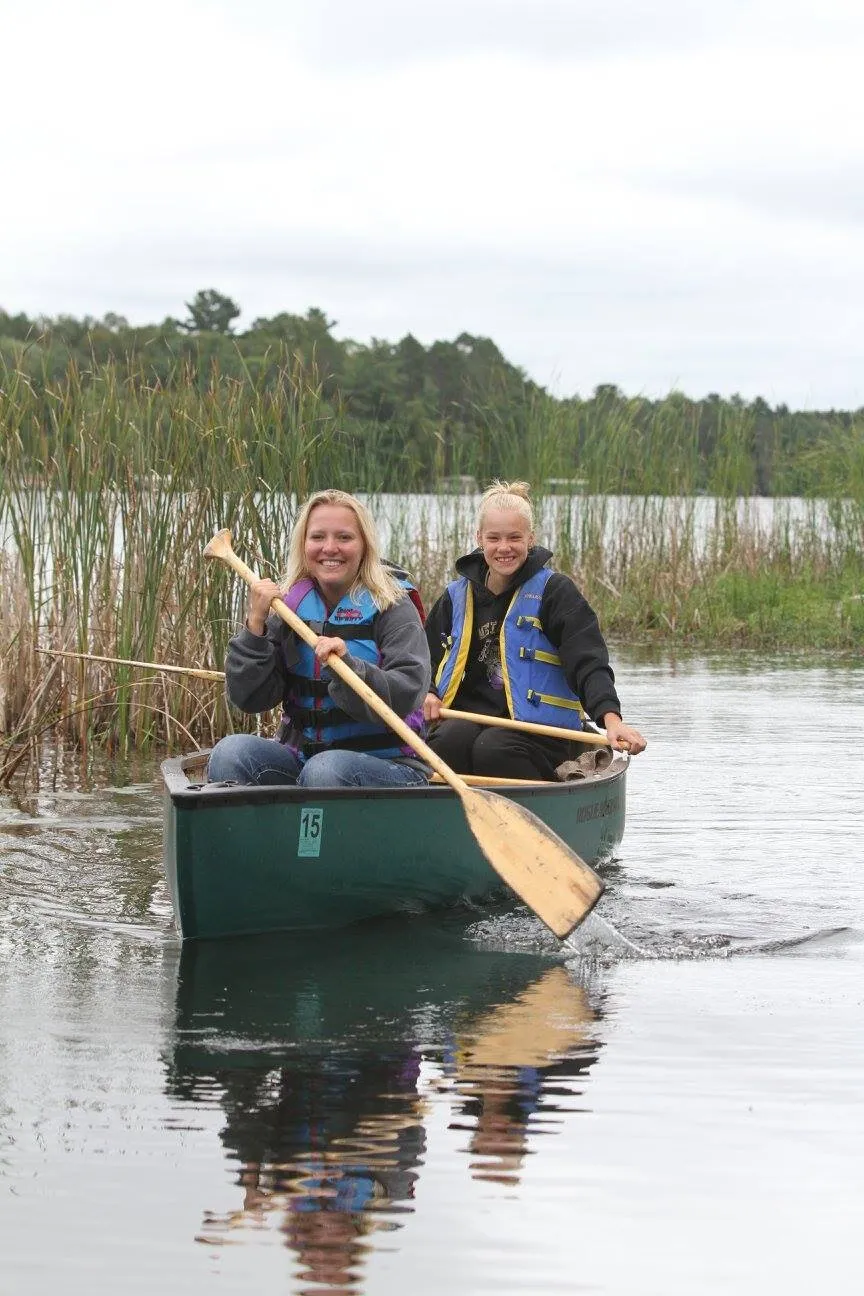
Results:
[512, 497]
[373, 575]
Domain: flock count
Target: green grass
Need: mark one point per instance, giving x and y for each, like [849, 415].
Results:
[769, 610]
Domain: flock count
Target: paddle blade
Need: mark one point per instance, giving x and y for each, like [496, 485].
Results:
[533, 860]
[219, 546]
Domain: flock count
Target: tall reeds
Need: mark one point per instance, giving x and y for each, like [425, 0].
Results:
[108, 491]
[110, 485]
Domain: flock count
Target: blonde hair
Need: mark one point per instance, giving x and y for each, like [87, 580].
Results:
[511, 497]
[373, 575]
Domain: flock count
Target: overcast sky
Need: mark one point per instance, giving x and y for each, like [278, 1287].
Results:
[655, 194]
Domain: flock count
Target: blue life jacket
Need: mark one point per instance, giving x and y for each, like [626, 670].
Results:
[307, 706]
[535, 686]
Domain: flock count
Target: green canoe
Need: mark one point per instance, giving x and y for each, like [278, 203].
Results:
[242, 860]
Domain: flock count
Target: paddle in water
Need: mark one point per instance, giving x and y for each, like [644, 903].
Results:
[533, 860]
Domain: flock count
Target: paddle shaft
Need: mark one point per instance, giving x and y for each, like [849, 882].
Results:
[125, 661]
[340, 668]
[526, 726]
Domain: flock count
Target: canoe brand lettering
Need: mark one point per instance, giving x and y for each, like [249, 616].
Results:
[311, 832]
[599, 810]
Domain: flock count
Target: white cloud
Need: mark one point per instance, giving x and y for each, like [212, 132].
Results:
[643, 194]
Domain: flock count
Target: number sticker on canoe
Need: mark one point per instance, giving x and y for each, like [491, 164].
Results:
[311, 830]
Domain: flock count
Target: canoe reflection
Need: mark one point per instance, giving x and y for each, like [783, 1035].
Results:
[328, 1055]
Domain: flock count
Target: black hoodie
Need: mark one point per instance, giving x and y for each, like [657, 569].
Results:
[568, 622]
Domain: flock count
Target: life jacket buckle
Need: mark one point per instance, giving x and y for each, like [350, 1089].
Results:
[533, 697]
[527, 653]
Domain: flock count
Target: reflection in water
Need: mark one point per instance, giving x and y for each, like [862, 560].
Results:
[505, 1064]
[322, 1147]
[328, 1063]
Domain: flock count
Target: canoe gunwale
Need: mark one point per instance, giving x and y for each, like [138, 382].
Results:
[194, 795]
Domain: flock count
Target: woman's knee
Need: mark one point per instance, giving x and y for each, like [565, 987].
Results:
[335, 768]
[490, 744]
[453, 741]
[227, 761]
[247, 758]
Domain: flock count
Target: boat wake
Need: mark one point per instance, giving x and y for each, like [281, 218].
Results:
[596, 942]
[828, 940]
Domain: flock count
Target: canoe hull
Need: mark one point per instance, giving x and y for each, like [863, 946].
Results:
[243, 860]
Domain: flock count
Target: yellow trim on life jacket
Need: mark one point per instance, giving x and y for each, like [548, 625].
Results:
[537, 654]
[461, 652]
[551, 700]
[524, 619]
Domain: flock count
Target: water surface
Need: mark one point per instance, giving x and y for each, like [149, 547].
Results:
[454, 1102]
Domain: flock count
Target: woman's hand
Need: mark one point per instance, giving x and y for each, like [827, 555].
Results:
[623, 737]
[261, 594]
[327, 645]
[432, 707]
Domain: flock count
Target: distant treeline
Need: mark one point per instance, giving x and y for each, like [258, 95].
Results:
[410, 417]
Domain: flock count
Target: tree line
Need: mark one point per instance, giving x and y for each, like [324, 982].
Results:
[419, 415]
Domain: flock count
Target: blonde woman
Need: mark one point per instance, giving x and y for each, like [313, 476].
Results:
[510, 637]
[337, 583]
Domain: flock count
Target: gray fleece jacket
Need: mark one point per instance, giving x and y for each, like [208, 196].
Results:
[256, 675]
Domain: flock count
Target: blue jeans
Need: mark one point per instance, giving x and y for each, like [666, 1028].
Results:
[246, 758]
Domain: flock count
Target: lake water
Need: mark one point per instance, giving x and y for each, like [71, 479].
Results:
[453, 1103]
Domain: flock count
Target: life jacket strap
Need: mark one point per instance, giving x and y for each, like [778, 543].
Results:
[537, 654]
[370, 743]
[536, 698]
[303, 717]
[524, 619]
[304, 687]
[338, 630]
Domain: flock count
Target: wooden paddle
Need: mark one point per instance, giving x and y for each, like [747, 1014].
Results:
[527, 726]
[532, 859]
[125, 661]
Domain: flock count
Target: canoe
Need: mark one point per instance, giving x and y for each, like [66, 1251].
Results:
[242, 860]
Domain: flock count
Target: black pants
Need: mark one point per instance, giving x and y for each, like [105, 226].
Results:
[470, 748]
